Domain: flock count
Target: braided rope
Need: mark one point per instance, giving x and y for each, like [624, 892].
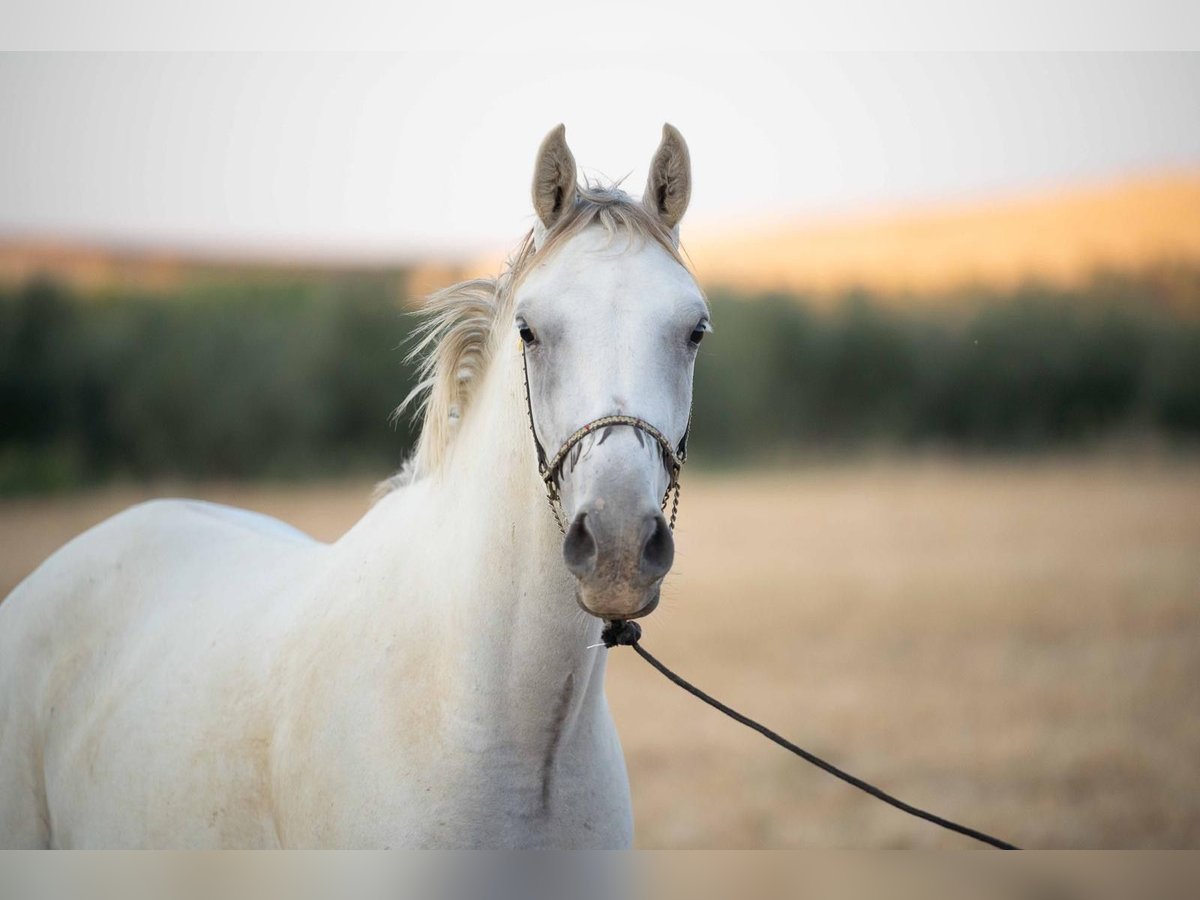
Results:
[675, 462]
[550, 470]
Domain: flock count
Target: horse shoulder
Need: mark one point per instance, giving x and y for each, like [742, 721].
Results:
[124, 622]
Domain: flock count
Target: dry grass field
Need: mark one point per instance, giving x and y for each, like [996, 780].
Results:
[1013, 644]
[1062, 237]
[907, 255]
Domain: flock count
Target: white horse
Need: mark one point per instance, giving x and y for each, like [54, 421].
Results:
[191, 675]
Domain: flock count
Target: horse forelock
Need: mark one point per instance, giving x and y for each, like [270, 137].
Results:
[463, 323]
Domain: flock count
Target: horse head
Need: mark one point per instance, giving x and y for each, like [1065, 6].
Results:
[610, 321]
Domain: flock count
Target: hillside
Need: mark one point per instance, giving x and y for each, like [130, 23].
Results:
[1062, 238]
[93, 267]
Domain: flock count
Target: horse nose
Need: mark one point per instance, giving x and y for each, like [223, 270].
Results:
[658, 548]
[618, 560]
[652, 550]
[579, 548]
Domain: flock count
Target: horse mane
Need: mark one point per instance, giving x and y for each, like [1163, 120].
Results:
[457, 339]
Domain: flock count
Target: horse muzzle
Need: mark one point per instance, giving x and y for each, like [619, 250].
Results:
[619, 560]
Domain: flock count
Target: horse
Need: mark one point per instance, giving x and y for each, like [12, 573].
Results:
[190, 675]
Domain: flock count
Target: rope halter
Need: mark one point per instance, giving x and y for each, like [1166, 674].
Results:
[674, 456]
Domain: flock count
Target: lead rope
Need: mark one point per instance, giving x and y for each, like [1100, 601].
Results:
[628, 633]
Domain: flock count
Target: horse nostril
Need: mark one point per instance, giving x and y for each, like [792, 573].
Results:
[579, 547]
[658, 551]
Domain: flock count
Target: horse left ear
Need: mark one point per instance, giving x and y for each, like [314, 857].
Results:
[669, 187]
[553, 178]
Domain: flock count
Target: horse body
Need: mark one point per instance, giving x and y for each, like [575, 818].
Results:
[185, 676]
[135, 661]
[190, 675]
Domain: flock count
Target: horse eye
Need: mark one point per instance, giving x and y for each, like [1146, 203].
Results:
[527, 335]
[698, 334]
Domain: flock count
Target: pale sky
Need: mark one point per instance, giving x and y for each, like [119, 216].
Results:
[371, 156]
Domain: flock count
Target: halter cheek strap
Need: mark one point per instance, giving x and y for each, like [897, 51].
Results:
[674, 456]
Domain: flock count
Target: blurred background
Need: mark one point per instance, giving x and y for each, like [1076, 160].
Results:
[941, 521]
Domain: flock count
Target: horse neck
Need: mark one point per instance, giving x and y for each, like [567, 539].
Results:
[492, 491]
[492, 555]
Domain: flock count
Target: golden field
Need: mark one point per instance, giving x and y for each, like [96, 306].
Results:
[1061, 237]
[1015, 645]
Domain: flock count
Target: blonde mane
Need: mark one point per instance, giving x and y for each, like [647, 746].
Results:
[456, 342]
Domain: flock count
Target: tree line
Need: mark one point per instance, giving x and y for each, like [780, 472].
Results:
[285, 380]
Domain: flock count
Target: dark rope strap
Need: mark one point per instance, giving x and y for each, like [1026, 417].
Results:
[628, 633]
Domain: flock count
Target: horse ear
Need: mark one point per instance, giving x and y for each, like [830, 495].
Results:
[669, 187]
[554, 178]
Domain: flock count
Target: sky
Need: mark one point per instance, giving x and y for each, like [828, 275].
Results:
[370, 156]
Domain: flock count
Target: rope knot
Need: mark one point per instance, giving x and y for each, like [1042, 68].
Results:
[620, 633]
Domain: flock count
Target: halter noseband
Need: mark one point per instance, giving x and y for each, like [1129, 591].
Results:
[673, 456]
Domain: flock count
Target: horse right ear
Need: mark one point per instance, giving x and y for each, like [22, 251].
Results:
[554, 178]
[669, 187]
